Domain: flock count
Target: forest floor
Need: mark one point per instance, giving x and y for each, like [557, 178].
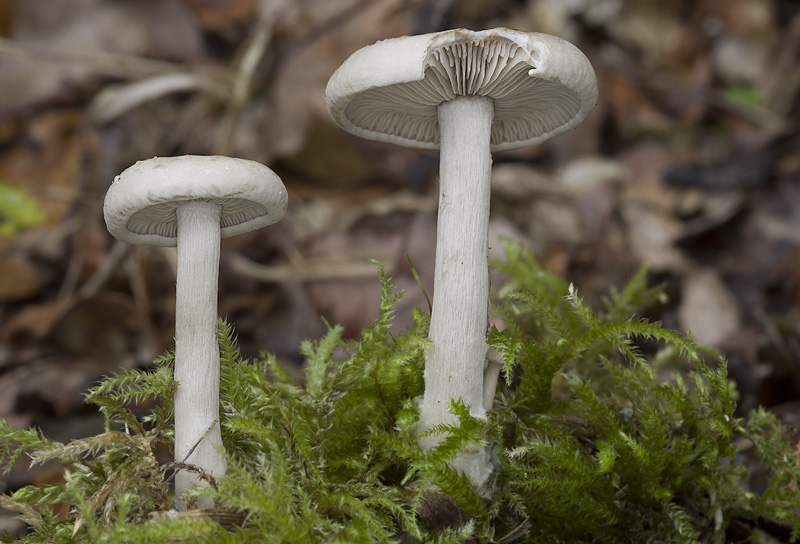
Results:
[690, 163]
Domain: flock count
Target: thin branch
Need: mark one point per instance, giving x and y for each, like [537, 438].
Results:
[111, 64]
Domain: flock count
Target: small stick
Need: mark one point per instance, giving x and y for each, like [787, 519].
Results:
[191, 450]
[184, 464]
[494, 365]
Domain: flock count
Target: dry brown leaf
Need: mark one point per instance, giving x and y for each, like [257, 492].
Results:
[6, 17]
[552, 223]
[745, 39]
[51, 384]
[19, 278]
[163, 29]
[632, 108]
[652, 235]
[646, 163]
[653, 30]
[48, 164]
[218, 14]
[558, 17]
[117, 100]
[595, 184]
[523, 181]
[390, 239]
[105, 328]
[500, 231]
[35, 321]
[329, 157]
[332, 31]
[708, 310]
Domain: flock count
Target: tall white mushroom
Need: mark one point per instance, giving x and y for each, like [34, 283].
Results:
[191, 202]
[466, 93]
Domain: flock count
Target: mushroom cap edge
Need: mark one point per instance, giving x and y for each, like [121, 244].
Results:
[145, 195]
[404, 60]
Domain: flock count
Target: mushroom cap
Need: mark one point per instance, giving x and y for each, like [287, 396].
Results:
[140, 204]
[389, 91]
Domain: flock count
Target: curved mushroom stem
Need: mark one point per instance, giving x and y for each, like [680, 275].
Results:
[454, 366]
[197, 430]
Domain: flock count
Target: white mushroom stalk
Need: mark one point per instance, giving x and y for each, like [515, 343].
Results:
[467, 94]
[461, 281]
[198, 440]
[192, 202]
[454, 365]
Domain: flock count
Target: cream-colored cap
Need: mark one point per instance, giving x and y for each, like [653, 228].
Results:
[140, 205]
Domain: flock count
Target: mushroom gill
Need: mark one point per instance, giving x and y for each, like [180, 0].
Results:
[526, 106]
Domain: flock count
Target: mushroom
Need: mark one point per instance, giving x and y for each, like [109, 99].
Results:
[191, 202]
[466, 93]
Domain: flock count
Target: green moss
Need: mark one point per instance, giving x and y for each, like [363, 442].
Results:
[594, 440]
[18, 210]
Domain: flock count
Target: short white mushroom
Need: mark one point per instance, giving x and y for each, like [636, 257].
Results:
[191, 202]
[466, 93]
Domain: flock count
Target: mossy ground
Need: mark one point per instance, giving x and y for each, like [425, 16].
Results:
[606, 428]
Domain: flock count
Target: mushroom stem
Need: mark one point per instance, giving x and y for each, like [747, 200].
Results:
[196, 344]
[454, 366]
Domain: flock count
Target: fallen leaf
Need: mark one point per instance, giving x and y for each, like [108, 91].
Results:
[708, 309]
[595, 184]
[391, 240]
[522, 181]
[163, 29]
[553, 222]
[51, 385]
[106, 328]
[652, 235]
[19, 278]
[332, 31]
[35, 322]
[219, 14]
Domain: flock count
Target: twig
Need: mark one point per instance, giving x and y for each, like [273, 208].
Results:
[325, 27]
[191, 450]
[186, 466]
[520, 530]
[419, 282]
[115, 100]
[312, 270]
[122, 66]
[202, 474]
[96, 280]
[243, 81]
